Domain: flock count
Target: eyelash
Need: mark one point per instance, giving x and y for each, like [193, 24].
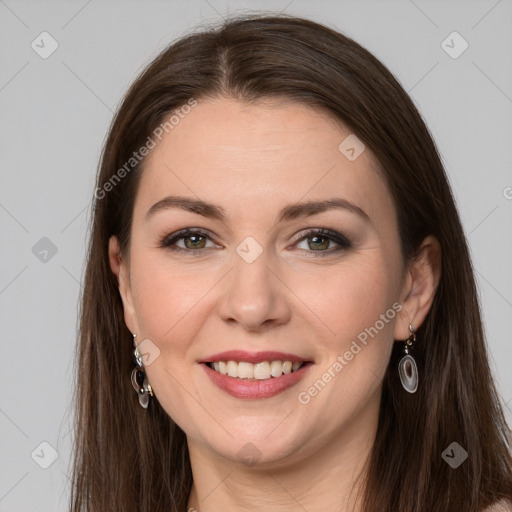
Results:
[344, 243]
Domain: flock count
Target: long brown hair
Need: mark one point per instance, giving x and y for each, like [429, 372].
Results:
[130, 459]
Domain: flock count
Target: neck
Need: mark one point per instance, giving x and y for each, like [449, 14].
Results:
[328, 477]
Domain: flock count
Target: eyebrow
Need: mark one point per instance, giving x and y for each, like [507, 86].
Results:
[289, 212]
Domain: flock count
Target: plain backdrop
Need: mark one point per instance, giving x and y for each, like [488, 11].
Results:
[55, 112]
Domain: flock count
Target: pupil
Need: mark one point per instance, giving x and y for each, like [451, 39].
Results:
[315, 239]
[191, 243]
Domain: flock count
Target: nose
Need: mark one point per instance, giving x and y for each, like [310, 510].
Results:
[254, 295]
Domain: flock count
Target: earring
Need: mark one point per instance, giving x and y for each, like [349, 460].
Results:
[407, 368]
[139, 380]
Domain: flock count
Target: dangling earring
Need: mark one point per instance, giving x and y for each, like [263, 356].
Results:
[407, 368]
[139, 380]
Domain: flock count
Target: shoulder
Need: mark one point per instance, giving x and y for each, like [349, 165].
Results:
[499, 506]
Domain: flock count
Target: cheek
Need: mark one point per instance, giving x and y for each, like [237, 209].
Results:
[350, 297]
[168, 303]
[166, 297]
[359, 307]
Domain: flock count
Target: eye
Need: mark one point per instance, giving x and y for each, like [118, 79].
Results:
[316, 241]
[187, 240]
[321, 240]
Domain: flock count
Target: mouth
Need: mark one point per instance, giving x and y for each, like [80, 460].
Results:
[264, 370]
[255, 376]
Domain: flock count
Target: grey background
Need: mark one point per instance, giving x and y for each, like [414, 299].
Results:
[54, 116]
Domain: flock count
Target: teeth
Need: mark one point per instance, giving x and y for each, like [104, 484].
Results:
[259, 371]
[245, 370]
[232, 369]
[276, 368]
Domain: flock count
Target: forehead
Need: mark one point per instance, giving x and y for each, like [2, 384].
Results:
[241, 154]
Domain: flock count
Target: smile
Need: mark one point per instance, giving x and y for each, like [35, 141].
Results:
[260, 371]
[269, 378]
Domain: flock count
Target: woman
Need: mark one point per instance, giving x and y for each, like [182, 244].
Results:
[279, 309]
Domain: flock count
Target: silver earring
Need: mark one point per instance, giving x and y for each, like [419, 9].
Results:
[407, 368]
[139, 380]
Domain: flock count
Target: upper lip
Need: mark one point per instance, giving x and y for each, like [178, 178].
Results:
[252, 357]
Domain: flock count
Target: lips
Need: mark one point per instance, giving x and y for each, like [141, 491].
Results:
[253, 357]
[261, 383]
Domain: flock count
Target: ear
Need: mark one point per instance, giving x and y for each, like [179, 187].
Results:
[419, 288]
[120, 268]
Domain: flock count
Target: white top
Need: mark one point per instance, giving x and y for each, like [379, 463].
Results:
[501, 506]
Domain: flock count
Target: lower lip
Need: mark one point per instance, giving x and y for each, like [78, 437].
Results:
[255, 389]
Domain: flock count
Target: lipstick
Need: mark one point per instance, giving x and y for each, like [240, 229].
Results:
[254, 389]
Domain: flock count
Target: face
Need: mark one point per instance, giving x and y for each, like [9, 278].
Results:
[257, 273]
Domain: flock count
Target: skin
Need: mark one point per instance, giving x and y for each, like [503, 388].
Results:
[252, 160]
